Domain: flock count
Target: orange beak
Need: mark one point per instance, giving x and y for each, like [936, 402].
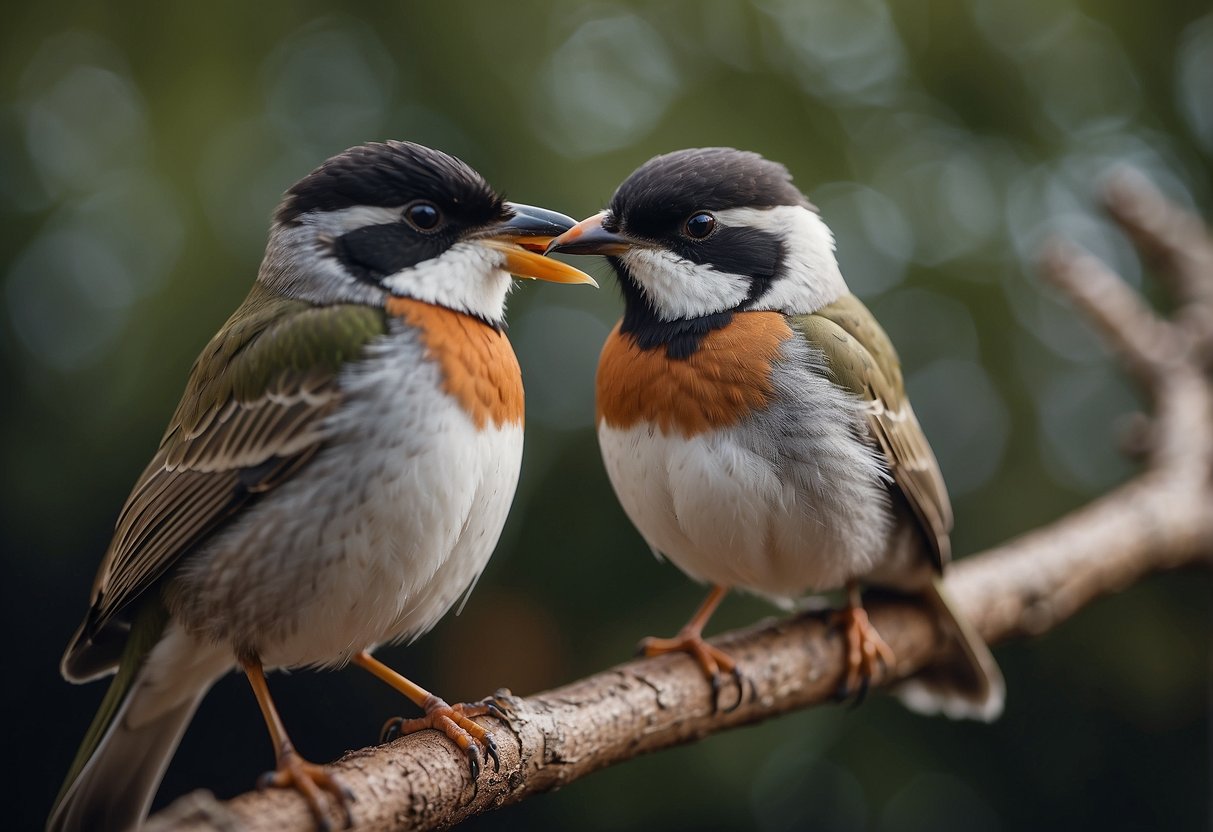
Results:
[590, 237]
[525, 236]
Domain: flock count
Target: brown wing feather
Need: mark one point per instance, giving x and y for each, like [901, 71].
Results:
[240, 430]
[196, 483]
[915, 472]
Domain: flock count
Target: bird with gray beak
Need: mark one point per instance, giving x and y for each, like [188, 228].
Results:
[753, 420]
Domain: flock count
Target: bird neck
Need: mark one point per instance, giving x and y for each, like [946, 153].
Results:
[679, 338]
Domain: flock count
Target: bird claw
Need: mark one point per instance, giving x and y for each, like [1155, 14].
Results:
[472, 752]
[713, 661]
[867, 654]
[390, 729]
[455, 721]
[741, 681]
[491, 750]
[312, 782]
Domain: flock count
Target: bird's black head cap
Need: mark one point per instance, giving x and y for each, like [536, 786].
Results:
[659, 195]
[391, 174]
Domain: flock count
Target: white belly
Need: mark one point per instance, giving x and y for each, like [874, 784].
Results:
[727, 512]
[376, 538]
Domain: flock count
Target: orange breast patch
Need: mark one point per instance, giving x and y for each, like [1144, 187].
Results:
[726, 379]
[479, 368]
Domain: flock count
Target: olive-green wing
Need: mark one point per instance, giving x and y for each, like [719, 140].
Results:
[862, 359]
[253, 413]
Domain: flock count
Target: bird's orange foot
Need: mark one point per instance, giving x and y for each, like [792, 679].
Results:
[456, 722]
[714, 662]
[313, 782]
[867, 653]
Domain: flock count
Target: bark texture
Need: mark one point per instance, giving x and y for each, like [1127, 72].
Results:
[1161, 519]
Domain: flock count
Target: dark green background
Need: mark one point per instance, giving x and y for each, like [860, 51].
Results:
[143, 147]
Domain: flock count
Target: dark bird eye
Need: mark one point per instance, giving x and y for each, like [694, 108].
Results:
[423, 215]
[700, 225]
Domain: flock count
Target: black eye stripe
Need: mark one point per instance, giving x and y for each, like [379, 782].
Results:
[751, 252]
[373, 252]
[757, 254]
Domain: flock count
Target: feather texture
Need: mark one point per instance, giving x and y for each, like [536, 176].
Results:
[254, 411]
[862, 360]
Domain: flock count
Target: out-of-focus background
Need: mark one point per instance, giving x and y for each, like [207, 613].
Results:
[143, 147]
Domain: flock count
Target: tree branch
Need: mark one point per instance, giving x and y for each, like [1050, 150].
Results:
[1161, 519]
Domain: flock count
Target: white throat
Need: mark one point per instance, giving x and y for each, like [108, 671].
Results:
[468, 277]
[678, 288]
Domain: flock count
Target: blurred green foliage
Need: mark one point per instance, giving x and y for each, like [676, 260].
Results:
[143, 147]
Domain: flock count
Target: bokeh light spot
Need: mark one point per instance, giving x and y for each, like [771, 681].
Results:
[964, 418]
[604, 87]
[872, 238]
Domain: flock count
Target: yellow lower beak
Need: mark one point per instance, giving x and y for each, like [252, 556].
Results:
[523, 263]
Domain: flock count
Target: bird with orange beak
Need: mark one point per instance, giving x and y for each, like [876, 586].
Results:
[335, 477]
[753, 419]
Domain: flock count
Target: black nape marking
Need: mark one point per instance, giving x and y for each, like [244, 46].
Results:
[373, 252]
[681, 338]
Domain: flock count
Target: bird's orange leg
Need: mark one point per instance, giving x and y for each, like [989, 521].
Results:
[867, 653]
[714, 661]
[453, 720]
[292, 771]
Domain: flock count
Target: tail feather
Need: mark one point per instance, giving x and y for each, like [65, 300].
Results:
[115, 785]
[969, 684]
[161, 678]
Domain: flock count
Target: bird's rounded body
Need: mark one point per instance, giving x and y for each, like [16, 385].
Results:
[392, 521]
[743, 463]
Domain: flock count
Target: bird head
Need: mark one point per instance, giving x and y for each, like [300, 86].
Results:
[399, 219]
[705, 231]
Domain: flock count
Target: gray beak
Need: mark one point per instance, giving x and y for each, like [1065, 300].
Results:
[532, 227]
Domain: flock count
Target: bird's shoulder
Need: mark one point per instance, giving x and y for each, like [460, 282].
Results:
[860, 355]
[271, 344]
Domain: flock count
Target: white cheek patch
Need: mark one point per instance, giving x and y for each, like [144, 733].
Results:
[678, 288]
[468, 277]
[345, 220]
[810, 278]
